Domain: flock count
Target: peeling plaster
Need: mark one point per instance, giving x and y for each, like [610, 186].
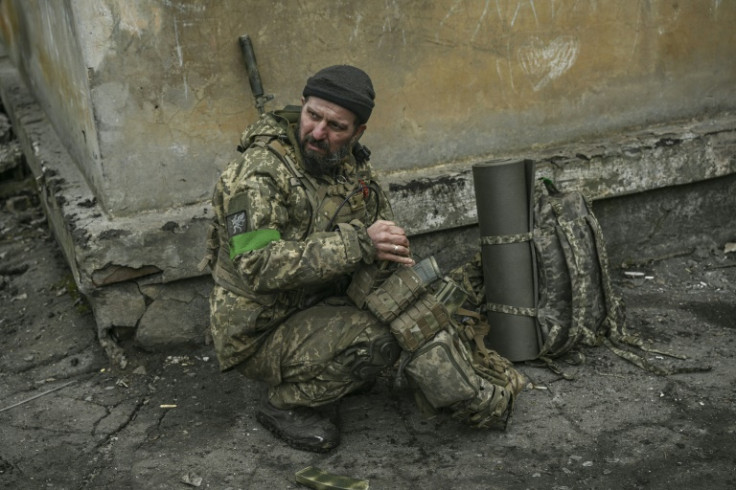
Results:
[168, 92]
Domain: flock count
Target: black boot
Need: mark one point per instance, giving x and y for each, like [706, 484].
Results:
[301, 427]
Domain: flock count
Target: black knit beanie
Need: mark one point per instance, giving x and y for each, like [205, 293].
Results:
[346, 86]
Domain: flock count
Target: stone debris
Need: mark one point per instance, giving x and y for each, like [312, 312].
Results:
[192, 480]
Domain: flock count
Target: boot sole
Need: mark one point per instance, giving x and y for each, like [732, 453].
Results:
[266, 422]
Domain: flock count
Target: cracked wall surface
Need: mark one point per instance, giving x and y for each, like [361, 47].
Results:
[127, 112]
[149, 98]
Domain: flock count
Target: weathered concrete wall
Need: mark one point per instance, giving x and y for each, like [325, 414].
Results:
[40, 36]
[143, 103]
[149, 97]
[656, 157]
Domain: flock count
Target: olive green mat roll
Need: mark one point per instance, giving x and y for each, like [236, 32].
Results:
[504, 192]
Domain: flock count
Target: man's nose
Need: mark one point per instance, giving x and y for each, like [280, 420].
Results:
[320, 131]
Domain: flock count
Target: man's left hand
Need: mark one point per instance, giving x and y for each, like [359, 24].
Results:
[390, 242]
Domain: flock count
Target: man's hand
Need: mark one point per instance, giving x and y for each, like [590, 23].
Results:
[390, 242]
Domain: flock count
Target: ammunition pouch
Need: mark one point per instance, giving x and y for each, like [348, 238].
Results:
[396, 293]
[428, 315]
[446, 361]
[401, 289]
[366, 279]
[420, 322]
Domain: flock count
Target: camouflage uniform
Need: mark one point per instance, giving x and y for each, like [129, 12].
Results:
[283, 246]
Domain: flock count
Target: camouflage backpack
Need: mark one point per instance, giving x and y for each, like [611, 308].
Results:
[577, 303]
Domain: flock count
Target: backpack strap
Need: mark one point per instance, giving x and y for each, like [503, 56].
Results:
[567, 227]
[502, 240]
[615, 317]
[581, 285]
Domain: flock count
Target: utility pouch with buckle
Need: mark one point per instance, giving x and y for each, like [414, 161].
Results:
[442, 370]
[419, 322]
[427, 316]
[402, 289]
[365, 280]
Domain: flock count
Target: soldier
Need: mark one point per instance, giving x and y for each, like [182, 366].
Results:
[295, 215]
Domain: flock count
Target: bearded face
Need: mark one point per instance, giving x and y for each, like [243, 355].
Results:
[325, 162]
[326, 134]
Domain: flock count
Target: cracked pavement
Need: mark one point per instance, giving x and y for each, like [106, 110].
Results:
[68, 420]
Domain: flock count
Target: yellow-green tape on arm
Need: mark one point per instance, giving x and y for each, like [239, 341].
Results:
[253, 240]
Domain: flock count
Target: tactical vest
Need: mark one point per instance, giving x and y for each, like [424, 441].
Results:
[331, 204]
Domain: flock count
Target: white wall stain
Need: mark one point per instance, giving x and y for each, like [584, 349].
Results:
[180, 57]
[454, 8]
[534, 11]
[196, 7]
[511, 71]
[481, 20]
[543, 62]
[178, 43]
[637, 33]
[516, 13]
[391, 20]
[179, 149]
[498, 69]
[132, 19]
[449, 14]
[101, 20]
[519, 5]
[96, 35]
[498, 10]
[356, 30]
[386, 27]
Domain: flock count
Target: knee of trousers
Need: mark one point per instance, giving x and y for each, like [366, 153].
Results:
[367, 359]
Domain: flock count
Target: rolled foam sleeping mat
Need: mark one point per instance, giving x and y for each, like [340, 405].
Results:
[504, 192]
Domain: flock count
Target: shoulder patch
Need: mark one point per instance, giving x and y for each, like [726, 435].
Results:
[237, 223]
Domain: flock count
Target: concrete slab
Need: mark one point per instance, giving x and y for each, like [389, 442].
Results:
[68, 419]
[117, 260]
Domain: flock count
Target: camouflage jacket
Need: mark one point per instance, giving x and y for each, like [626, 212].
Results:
[283, 239]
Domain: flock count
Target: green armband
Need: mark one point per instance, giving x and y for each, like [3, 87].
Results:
[252, 240]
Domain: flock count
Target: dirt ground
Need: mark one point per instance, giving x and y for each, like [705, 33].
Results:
[171, 420]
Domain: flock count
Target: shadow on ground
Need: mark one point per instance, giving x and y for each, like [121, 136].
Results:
[172, 420]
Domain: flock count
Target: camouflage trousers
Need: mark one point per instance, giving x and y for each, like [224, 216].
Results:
[322, 353]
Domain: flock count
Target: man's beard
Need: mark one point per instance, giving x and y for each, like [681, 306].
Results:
[326, 163]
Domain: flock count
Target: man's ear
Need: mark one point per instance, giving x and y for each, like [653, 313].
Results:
[359, 132]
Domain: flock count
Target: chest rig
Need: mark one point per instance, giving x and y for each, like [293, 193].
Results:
[347, 196]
